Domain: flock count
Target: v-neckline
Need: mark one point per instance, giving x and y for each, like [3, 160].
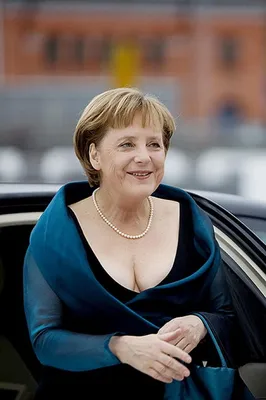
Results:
[89, 250]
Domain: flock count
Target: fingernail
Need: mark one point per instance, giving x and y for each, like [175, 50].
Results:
[186, 374]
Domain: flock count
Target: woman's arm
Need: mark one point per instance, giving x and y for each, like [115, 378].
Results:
[54, 346]
[217, 309]
[63, 349]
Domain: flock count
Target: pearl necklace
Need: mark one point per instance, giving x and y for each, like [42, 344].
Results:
[125, 235]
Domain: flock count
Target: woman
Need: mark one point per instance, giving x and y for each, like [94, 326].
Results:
[117, 266]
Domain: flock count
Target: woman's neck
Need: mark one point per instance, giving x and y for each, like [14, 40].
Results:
[122, 211]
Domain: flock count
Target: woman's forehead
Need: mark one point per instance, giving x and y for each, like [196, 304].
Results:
[135, 131]
[139, 119]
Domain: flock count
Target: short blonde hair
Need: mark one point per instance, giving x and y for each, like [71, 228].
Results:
[116, 108]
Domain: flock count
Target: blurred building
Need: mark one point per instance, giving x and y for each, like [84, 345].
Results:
[205, 59]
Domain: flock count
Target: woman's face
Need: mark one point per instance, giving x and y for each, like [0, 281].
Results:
[131, 160]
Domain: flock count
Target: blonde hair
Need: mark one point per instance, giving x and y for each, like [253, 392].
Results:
[116, 108]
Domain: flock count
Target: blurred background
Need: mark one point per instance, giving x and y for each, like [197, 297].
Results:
[205, 59]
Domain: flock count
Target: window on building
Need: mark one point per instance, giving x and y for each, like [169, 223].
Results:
[229, 52]
[154, 52]
[105, 52]
[51, 49]
[79, 50]
[229, 114]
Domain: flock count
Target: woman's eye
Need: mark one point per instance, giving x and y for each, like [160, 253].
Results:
[155, 144]
[127, 144]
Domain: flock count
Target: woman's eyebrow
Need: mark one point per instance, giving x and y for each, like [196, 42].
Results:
[132, 137]
[155, 137]
[126, 137]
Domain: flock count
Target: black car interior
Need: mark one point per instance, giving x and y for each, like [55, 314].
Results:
[19, 368]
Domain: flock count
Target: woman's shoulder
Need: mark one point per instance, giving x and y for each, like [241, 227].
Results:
[169, 207]
[165, 207]
[82, 207]
[163, 200]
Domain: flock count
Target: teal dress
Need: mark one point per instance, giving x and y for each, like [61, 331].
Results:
[73, 306]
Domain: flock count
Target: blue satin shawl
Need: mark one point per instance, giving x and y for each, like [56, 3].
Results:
[58, 251]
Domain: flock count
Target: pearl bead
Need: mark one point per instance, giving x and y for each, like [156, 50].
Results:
[125, 235]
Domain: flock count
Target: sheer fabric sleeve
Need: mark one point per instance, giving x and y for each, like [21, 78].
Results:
[53, 345]
[221, 316]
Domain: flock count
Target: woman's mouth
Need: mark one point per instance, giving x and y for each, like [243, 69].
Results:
[140, 175]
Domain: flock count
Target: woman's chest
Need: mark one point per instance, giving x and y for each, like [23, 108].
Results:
[136, 264]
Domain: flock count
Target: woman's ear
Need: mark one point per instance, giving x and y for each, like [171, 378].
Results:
[94, 157]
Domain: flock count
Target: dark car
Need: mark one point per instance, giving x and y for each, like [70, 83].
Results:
[251, 213]
[238, 223]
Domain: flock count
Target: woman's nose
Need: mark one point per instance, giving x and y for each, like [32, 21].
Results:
[142, 155]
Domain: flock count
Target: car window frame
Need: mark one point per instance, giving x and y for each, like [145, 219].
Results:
[235, 229]
[256, 224]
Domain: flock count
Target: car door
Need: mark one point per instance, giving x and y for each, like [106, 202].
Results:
[19, 368]
[244, 260]
[244, 257]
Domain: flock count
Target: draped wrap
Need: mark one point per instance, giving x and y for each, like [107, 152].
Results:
[58, 252]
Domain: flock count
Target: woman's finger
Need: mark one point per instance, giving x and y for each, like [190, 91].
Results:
[175, 352]
[156, 375]
[182, 343]
[164, 370]
[170, 337]
[168, 329]
[169, 362]
[168, 372]
[189, 348]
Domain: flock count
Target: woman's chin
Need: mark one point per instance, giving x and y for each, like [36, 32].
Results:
[143, 189]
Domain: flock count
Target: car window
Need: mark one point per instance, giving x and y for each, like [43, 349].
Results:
[245, 300]
[258, 225]
[247, 284]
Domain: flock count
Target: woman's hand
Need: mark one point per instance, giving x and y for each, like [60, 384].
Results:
[190, 331]
[152, 355]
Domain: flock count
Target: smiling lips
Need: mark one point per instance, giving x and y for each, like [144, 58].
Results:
[140, 174]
